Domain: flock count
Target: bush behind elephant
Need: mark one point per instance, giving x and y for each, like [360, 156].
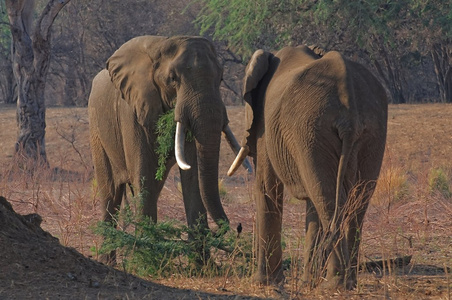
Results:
[316, 125]
[145, 78]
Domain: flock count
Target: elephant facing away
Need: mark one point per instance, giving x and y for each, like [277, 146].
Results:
[143, 79]
[316, 125]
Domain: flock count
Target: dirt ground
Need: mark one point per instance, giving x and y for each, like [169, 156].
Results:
[56, 262]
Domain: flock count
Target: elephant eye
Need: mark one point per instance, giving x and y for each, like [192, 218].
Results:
[172, 78]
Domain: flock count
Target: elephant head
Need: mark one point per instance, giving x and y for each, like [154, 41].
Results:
[258, 72]
[156, 74]
[256, 69]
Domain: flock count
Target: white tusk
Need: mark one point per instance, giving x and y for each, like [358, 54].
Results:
[232, 141]
[179, 147]
[238, 160]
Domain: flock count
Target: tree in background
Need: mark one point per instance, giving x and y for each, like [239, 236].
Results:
[392, 36]
[433, 24]
[406, 43]
[31, 58]
[8, 92]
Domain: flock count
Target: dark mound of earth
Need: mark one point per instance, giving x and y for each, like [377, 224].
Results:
[34, 265]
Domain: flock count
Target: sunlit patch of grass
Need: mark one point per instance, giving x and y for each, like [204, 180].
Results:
[438, 182]
[392, 186]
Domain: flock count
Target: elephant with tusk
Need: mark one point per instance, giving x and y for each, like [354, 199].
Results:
[315, 125]
[145, 78]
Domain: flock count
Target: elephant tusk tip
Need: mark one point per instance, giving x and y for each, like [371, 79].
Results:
[241, 156]
[179, 147]
[184, 167]
[233, 168]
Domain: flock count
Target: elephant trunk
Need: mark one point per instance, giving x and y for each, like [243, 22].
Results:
[206, 125]
[208, 159]
[207, 133]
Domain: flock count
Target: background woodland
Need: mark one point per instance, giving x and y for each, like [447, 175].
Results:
[407, 44]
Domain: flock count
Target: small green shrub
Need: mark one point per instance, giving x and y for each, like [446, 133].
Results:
[438, 182]
[163, 249]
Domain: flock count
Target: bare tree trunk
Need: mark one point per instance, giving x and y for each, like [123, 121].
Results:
[8, 86]
[391, 76]
[442, 57]
[31, 58]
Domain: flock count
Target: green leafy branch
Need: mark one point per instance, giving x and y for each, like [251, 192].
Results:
[166, 131]
[164, 249]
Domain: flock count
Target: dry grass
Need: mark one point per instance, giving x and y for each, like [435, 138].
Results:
[405, 217]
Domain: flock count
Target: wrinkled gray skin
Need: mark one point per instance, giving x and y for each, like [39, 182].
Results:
[317, 127]
[144, 78]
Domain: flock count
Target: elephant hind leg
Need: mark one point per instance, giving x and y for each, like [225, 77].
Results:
[369, 165]
[313, 235]
[112, 198]
[111, 193]
[328, 251]
[104, 176]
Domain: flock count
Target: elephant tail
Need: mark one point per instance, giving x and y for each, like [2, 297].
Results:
[347, 145]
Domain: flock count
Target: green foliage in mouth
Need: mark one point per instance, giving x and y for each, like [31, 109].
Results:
[166, 131]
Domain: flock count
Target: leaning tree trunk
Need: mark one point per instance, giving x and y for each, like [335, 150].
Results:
[31, 57]
[442, 61]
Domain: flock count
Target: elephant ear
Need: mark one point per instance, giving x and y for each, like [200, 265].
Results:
[254, 72]
[131, 70]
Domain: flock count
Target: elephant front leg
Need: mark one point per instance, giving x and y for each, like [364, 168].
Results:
[149, 190]
[194, 208]
[269, 202]
[196, 214]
